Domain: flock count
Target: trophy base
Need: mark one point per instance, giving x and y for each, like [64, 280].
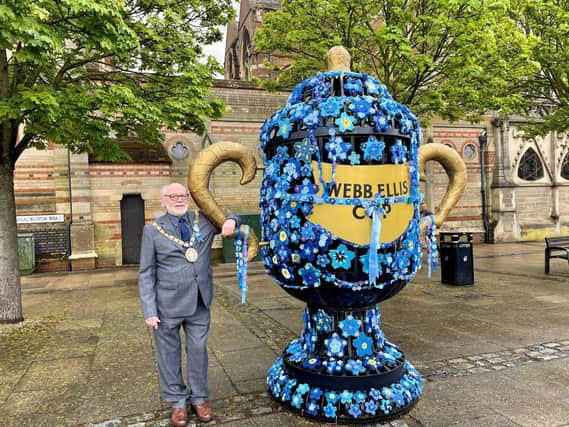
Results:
[363, 406]
[343, 370]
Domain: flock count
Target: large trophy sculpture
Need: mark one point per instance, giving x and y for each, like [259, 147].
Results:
[341, 231]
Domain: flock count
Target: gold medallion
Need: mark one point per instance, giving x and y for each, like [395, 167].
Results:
[191, 255]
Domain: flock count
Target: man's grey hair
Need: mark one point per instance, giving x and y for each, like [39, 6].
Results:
[163, 189]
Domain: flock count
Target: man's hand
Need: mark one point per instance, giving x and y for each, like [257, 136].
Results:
[152, 322]
[228, 228]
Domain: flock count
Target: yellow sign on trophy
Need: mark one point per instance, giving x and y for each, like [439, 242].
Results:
[351, 223]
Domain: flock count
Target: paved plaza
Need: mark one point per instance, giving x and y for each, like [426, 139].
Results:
[492, 354]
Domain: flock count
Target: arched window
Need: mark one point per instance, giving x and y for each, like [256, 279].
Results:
[530, 167]
[245, 54]
[565, 167]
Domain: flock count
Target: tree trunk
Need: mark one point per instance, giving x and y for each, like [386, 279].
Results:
[10, 291]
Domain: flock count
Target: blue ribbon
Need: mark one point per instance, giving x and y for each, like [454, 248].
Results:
[241, 255]
[431, 241]
[376, 213]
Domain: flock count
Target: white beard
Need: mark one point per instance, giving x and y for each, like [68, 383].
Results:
[177, 212]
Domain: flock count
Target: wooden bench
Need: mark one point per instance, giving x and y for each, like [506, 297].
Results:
[557, 247]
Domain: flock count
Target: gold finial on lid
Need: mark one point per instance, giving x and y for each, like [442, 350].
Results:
[338, 59]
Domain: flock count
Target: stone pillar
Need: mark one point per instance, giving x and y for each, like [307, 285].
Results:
[506, 227]
[83, 254]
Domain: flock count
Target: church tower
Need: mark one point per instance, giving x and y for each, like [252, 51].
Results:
[241, 60]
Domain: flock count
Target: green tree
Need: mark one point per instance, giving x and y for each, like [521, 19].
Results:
[448, 58]
[546, 22]
[88, 73]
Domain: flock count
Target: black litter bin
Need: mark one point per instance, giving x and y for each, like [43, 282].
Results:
[457, 266]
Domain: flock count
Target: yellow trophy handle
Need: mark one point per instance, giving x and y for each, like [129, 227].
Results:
[200, 174]
[456, 170]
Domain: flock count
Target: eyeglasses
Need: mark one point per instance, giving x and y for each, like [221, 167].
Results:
[176, 197]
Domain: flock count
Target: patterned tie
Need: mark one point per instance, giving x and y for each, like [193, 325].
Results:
[184, 230]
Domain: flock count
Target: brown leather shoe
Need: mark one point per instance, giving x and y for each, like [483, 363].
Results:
[203, 412]
[179, 417]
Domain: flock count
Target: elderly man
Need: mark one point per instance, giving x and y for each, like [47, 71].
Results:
[176, 291]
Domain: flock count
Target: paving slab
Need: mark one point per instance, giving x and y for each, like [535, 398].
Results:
[492, 354]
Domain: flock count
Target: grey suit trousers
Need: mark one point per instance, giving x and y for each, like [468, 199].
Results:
[169, 356]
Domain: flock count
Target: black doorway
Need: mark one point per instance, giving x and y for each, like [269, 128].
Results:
[132, 223]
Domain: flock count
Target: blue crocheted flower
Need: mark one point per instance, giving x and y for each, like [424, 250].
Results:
[398, 396]
[286, 273]
[346, 397]
[304, 150]
[312, 363]
[381, 122]
[354, 158]
[322, 260]
[291, 169]
[332, 397]
[306, 208]
[375, 394]
[345, 122]
[355, 410]
[387, 393]
[406, 126]
[312, 407]
[281, 155]
[350, 327]
[335, 345]
[307, 187]
[294, 346]
[298, 356]
[371, 363]
[303, 389]
[398, 152]
[372, 86]
[355, 367]
[330, 411]
[360, 396]
[299, 111]
[308, 250]
[370, 407]
[284, 128]
[307, 232]
[294, 222]
[333, 366]
[364, 345]
[316, 393]
[361, 108]
[373, 149]
[306, 170]
[337, 148]
[388, 358]
[342, 257]
[310, 275]
[311, 120]
[322, 322]
[353, 86]
[330, 107]
[297, 400]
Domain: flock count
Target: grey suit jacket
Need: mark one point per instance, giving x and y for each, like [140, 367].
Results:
[167, 282]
